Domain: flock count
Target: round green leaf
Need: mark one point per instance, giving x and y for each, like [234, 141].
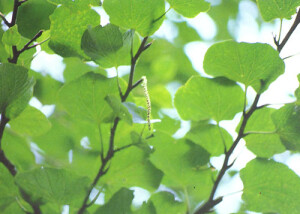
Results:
[66, 35]
[122, 198]
[11, 36]
[102, 43]
[30, 122]
[84, 97]
[282, 9]
[164, 202]
[189, 8]
[141, 15]
[37, 12]
[286, 121]
[263, 140]
[210, 137]
[53, 185]
[256, 65]
[17, 150]
[270, 187]
[14, 84]
[202, 98]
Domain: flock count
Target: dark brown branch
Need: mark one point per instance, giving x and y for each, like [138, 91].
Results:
[27, 47]
[17, 53]
[132, 68]
[211, 202]
[3, 159]
[15, 12]
[288, 35]
[4, 19]
[111, 151]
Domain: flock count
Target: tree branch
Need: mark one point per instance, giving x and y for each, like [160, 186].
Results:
[17, 53]
[4, 19]
[288, 35]
[132, 67]
[211, 202]
[111, 151]
[3, 159]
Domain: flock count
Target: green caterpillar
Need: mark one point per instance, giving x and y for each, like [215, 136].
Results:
[146, 93]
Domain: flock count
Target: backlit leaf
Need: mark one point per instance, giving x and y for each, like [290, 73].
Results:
[84, 97]
[55, 185]
[282, 9]
[256, 65]
[202, 98]
[189, 8]
[141, 15]
[66, 35]
[286, 121]
[270, 187]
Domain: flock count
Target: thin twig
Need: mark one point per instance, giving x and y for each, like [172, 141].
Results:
[4, 19]
[16, 52]
[127, 146]
[288, 35]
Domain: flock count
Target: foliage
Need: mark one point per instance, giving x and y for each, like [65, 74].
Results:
[110, 134]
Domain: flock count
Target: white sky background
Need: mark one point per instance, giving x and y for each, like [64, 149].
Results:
[278, 93]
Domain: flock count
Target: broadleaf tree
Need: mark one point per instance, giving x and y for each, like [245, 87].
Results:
[114, 127]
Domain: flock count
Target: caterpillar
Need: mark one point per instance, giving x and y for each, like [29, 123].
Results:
[146, 93]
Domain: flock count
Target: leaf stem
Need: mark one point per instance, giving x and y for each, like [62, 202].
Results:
[288, 35]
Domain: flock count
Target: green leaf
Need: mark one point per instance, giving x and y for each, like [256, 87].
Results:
[84, 97]
[286, 121]
[11, 36]
[108, 46]
[17, 149]
[8, 189]
[46, 88]
[54, 185]
[66, 35]
[6, 6]
[210, 137]
[18, 105]
[256, 65]
[100, 42]
[119, 109]
[160, 96]
[14, 84]
[182, 164]
[75, 68]
[141, 15]
[167, 125]
[164, 202]
[202, 98]
[30, 122]
[131, 167]
[263, 140]
[77, 3]
[3, 54]
[189, 8]
[282, 9]
[139, 114]
[270, 187]
[186, 34]
[39, 11]
[120, 203]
